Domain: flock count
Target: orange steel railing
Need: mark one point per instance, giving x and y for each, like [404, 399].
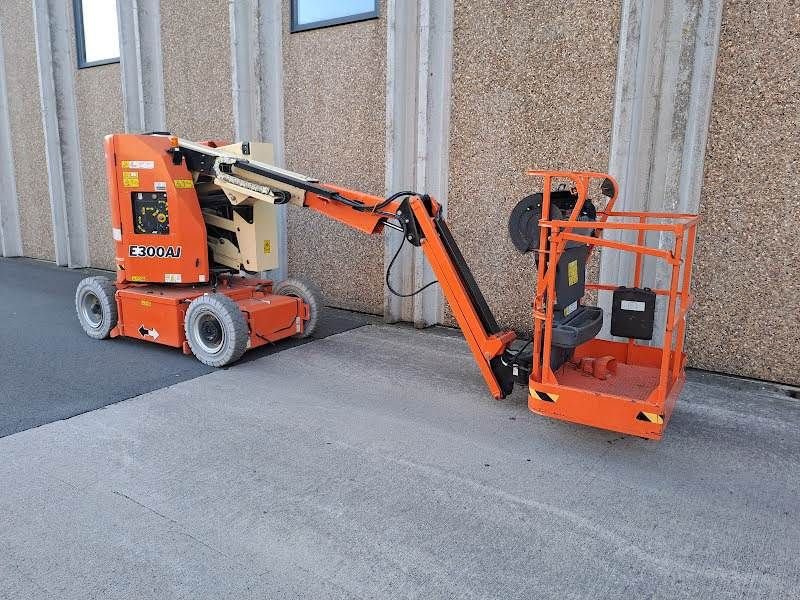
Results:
[553, 236]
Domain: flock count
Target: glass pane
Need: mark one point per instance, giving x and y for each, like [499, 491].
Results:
[100, 33]
[313, 11]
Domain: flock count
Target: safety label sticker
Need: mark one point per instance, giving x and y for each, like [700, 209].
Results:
[267, 247]
[138, 164]
[145, 331]
[572, 272]
[632, 305]
[184, 183]
[130, 178]
[172, 277]
[160, 186]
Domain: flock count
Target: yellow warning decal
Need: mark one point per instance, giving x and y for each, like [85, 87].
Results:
[652, 417]
[267, 247]
[137, 278]
[138, 164]
[572, 272]
[130, 178]
[184, 183]
[544, 397]
[146, 303]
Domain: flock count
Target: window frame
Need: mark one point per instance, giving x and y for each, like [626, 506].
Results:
[80, 40]
[296, 27]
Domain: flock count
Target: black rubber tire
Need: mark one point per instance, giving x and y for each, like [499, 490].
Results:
[232, 326]
[96, 306]
[308, 292]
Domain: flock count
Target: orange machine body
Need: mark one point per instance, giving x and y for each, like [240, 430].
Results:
[639, 397]
[155, 313]
[159, 274]
[140, 171]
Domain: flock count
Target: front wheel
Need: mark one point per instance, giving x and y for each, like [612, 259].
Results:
[300, 287]
[216, 330]
[96, 306]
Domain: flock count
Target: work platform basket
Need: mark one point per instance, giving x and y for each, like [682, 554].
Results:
[639, 396]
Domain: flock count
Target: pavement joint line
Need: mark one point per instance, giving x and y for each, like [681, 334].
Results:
[180, 526]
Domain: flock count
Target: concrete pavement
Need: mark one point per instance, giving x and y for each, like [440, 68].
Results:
[373, 464]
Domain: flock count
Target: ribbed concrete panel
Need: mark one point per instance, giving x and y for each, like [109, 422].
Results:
[419, 46]
[10, 235]
[257, 87]
[402, 45]
[55, 51]
[26, 136]
[271, 104]
[665, 78]
[243, 18]
[142, 69]
[270, 76]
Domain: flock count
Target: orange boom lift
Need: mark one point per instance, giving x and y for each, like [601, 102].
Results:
[193, 224]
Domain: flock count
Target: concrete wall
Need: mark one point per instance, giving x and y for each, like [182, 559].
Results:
[196, 52]
[335, 123]
[745, 320]
[27, 137]
[98, 98]
[533, 86]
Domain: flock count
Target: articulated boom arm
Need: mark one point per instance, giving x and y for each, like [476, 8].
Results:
[422, 224]
[417, 216]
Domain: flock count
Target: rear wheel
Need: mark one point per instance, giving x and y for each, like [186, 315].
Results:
[216, 330]
[96, 306]
[308, 292]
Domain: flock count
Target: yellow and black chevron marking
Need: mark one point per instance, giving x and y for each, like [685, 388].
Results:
[651, 417]
[545, 397]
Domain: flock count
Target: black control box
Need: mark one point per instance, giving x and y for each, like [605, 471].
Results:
[633, 312]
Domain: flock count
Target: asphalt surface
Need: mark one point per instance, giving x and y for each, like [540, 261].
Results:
[374, 464]
[50, 369]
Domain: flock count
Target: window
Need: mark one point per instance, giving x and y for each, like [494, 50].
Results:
[312, 14]
[96, 31]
